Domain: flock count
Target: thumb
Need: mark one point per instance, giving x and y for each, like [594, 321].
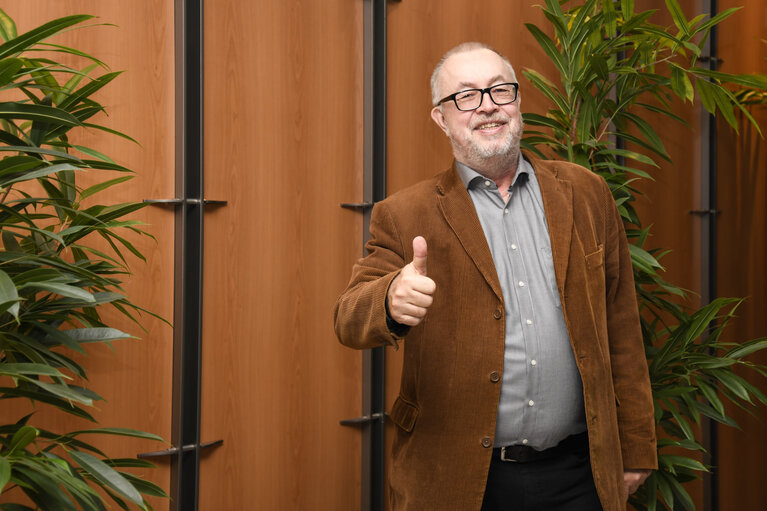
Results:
[419, 254]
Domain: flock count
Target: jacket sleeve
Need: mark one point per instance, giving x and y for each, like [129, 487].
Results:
[636, 422]
[360, 311]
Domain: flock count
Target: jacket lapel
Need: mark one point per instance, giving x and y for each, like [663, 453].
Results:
[459, 212]
[558, 204]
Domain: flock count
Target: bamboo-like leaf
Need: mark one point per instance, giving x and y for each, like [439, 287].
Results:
[87, 90]
[118, 432]
[63, 290]
[550, 48]
[14, 110]
[107, 476]
[143, 486]
[678, 16]
[40, 33]
[8, 70]
[5, 472]
[9, 296]
[86, 335]
[747, 348]
[99, 187]
[47, 398]
[21, 439]
[7, 27]
[14, 370]
[36, 174]
[680, 83]
[686, 462]
[733, 383]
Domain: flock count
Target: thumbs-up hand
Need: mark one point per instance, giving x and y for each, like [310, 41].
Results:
[410, 293]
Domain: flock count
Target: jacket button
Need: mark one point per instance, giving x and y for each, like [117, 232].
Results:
[494, 377]
[487, 441]
[497, 314]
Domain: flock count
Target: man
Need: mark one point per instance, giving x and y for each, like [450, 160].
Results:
[524, 384]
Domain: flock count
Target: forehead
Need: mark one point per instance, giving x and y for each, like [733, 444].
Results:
[476, 68]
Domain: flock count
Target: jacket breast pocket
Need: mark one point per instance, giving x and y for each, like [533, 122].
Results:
[404, 414]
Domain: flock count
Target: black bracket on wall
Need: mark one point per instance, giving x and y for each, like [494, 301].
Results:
[373, 420]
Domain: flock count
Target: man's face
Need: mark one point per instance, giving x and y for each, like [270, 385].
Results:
[491, 130]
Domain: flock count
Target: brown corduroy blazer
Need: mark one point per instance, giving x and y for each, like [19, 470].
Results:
[446, 409]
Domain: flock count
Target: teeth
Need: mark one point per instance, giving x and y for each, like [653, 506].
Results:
[488, 125]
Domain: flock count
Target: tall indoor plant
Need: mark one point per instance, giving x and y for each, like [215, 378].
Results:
[53, 278]
[615, 65]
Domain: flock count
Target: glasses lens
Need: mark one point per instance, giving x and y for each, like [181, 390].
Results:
[503, 94]
[468, 100]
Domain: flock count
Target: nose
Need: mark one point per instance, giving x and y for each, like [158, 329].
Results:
[487, 104]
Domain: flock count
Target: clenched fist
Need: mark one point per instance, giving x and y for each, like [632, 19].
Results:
[410, 293]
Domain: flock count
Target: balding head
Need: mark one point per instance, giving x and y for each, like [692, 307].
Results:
[436, 87]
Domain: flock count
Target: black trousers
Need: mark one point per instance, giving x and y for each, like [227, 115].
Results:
[562, 483]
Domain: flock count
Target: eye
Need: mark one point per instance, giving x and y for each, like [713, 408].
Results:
[466, 95]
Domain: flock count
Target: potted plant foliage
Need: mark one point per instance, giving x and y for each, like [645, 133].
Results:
[53, 281]
[614, 66]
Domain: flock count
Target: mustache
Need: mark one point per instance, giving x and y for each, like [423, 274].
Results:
[500, 119]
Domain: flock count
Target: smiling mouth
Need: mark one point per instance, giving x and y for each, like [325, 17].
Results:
[489, 125]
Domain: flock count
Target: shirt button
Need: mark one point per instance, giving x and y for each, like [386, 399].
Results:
[521, 284]
[497, 314]
[513, 246]
[529, 321]
[505, 211]
[486, 441]
[487, 183]
[533, 362]
[494, 377]
[524, 441]
[531, 403]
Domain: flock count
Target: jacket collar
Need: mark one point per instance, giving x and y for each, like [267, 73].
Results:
[459, 212]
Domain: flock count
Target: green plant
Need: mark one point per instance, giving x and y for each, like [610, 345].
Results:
[614, 66]
[52, 281]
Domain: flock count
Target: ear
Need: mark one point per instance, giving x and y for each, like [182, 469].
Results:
[439, 117]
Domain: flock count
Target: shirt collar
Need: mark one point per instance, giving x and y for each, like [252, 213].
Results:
[471, 177]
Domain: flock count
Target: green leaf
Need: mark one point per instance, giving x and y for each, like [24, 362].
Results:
[17, 369]
[9, 296]
[747, 348]
[99, 187]
[107, 476]
[7, 27]
[96, 334]
[684, 461]
[63, 290]
[8, 70]
[550, 48]
[134, 433]
[678, 16]
[15, 110]
[5, 472]
[21, 439]
[680, 83]
[36, 174]
[27, 39]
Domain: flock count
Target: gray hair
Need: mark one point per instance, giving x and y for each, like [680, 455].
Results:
[461, 48]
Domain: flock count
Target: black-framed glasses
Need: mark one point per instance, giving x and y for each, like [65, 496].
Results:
[470, 99]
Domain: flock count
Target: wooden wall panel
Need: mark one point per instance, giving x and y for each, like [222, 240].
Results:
[135, 378]
[283, 103]
[742, 247]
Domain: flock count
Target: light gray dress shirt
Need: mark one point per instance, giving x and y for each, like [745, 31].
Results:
[541, 399]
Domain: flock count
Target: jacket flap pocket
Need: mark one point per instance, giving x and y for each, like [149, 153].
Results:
[404, 414]
[596, 259]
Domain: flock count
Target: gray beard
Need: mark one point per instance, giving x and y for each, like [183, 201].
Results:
[495, 161]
